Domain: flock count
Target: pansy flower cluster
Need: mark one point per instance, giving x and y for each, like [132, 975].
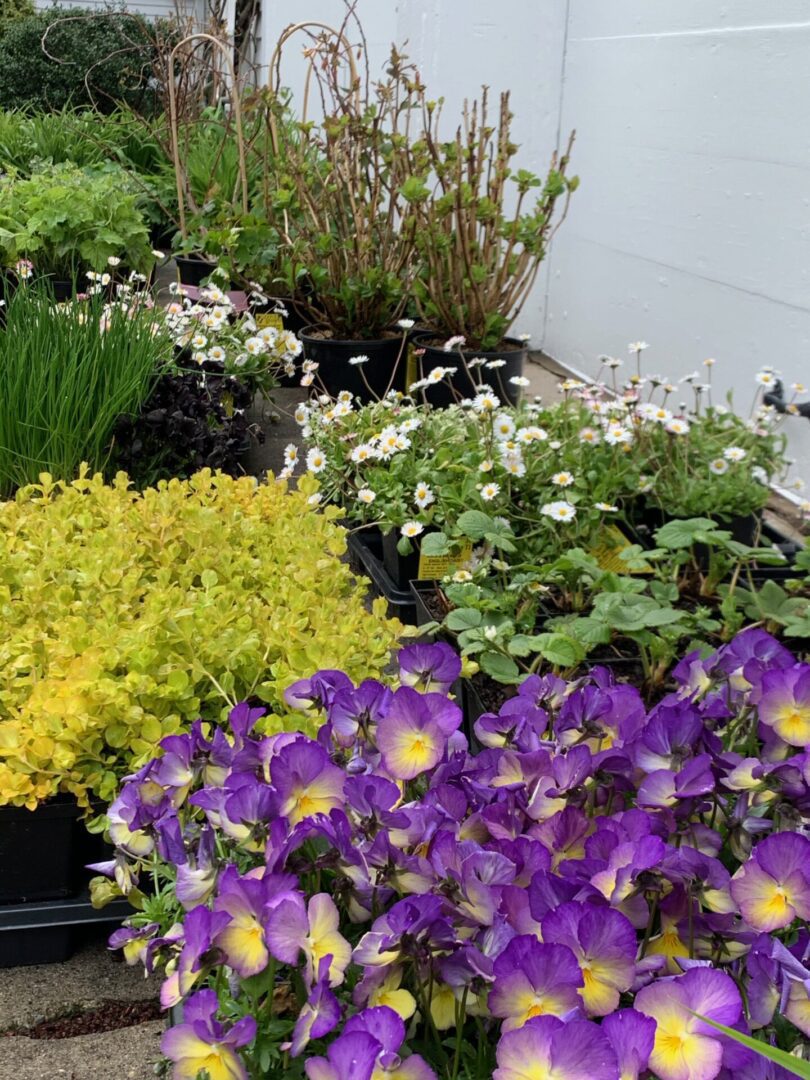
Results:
[599, 891]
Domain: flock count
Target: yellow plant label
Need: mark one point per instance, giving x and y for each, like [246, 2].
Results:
[608, 551]
[433, 567]
[269, 318]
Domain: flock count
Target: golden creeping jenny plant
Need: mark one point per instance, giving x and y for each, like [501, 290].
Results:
[126, 615]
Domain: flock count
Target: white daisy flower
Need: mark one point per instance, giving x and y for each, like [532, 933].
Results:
[765, 378]
[217, 354]
[366, 495]
[411, 424]
[453, 343]
[199, 357]
[677, 426]
[199, 341]
[406, 324]
[316, 460]
[436, 375]
[637, 346]
[513, 463]
[477, 361]
[423, 496]
[562, 479]
[606, 508]
[315, 499]
[490, 491]
[486, 401]
[486, 466]
[290, 454]
[412, 529]
[709, 362]
[462, 576]
[355, 360]
[616, 435]
[519, 380]
[531, 434]
[503, 426]
[560, 511]
[590, 436]
[718, 466]
[301, 414]
[363, 452]
[734, 453]
[493, 364]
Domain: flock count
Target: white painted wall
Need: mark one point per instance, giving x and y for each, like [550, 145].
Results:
[691, 228]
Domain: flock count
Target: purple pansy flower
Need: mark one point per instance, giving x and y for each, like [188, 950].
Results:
[201, 1042]
[545, 1046]
[429, 667]
[532, 979]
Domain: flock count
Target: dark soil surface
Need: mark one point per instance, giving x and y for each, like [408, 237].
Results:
[109, 1016]
[490, 693]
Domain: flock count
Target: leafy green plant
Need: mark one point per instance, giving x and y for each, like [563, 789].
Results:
[68, 220]
[127, 615]
[67, 372]
[350, 258]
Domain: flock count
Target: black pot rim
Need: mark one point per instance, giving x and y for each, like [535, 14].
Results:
[522, 346]
[359, 342]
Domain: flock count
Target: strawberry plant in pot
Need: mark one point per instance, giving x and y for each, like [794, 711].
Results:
[482, 228]
[349, 258]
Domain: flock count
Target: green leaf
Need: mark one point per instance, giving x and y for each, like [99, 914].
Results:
[435, 543]
[500, 667]
[521, 645]
[795, 1066]
[475, 524]
[559, 649]
[684, 533]
[462, 619]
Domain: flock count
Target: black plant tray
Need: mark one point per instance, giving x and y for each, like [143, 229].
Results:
[49, 933]
[365, 556]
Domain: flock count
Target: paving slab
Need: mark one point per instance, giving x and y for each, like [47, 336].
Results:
[125, 1054]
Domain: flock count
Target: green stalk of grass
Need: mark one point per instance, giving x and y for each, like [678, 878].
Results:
[65, 380]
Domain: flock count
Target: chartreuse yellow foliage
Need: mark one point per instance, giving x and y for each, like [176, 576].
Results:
[126, 615]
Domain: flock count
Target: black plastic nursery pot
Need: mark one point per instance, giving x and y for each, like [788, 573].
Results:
[49, 933]
[193, 269]
[42, 852]
[403, 569]
[386, 366]
[365, 557]
[424, 595]
[429, 354]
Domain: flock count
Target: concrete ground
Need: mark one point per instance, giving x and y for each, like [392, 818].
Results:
[29, 995]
